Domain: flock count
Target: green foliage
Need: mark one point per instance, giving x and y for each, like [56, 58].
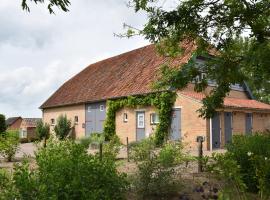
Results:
[9, 144]
[3, 126]
[111, 149]
[142, 150]
[156, 176]
[163, 101]
[214, 27]
[61, 4]
[43, 131]
[6, 186]
[62, 127]
[94, 140]
[224, 167]
[252, 153]
[65, 171]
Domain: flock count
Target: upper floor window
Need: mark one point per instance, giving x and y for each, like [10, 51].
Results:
[52, 121]
[154, 119]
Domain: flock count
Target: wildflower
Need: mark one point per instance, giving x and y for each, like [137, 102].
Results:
[265, 158]
[249, 153]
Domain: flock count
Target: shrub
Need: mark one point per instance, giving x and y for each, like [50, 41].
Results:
[3, 126]
[43, 131]
[156, 176]
[248, 152]
[141, 151]
[225, 168]
[65, 171]
[6, 186]
[62, 127]
[85, 142]
[9, 144]
[112, 148]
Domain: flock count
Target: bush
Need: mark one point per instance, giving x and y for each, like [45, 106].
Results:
[6, 186]
[156, 176]
[111, 149]
[225, 168]
[9, 144]
[62, 127]
[43, 131]
[141, 151]
[249, 152]
[94, 140]
[65, 171]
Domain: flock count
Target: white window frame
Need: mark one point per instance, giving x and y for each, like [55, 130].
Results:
[143, 120]
[89, 109]
[154, 119]
[52, 121]
[23, 133]
[125, 117]
[101, 108]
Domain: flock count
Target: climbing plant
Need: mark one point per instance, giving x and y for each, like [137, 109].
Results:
[163, 101]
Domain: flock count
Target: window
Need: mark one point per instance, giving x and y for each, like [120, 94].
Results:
[199, 78]
[76, 119]
[52, 121]
[125, 117]
[140, 120]
[23, 133]
[154, 119]
[101, 108]
[89, 108]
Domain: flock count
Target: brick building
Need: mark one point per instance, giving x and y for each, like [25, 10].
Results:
[25, 126]
[83, 99]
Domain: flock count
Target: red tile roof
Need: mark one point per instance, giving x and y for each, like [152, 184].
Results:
[232, 102]
[31, 122]
[127, 74]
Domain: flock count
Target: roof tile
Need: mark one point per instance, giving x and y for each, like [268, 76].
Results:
[232, 102]
[127, 74]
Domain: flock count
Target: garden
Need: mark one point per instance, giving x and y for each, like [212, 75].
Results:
[90, 168]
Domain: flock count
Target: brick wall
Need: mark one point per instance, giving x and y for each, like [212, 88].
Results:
[16, 125]
[233, 93]
[191, 124]
[261, 121]
[128, 129]
[31, 133]
[71, 112]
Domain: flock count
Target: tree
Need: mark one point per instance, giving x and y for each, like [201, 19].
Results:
[61, 4]
[216, 26]
[43, 131]
[3, 125]
[62, 127]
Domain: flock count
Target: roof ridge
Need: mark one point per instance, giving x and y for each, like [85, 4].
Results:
[94, 63]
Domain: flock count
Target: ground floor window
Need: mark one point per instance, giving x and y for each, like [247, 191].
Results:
[154, 119]
[125, 117]
[23, 133]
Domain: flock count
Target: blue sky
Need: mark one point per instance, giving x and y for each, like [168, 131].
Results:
[39, 51]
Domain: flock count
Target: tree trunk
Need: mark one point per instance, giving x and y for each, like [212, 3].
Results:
[45, 142]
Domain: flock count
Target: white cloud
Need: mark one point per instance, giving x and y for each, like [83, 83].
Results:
[39, 52]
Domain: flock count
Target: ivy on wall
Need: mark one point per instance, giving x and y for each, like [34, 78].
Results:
[163, 101]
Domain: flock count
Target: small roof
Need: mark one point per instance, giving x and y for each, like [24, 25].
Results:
[232, 102]
[31, 122]
[12, 120]
[130, 73]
